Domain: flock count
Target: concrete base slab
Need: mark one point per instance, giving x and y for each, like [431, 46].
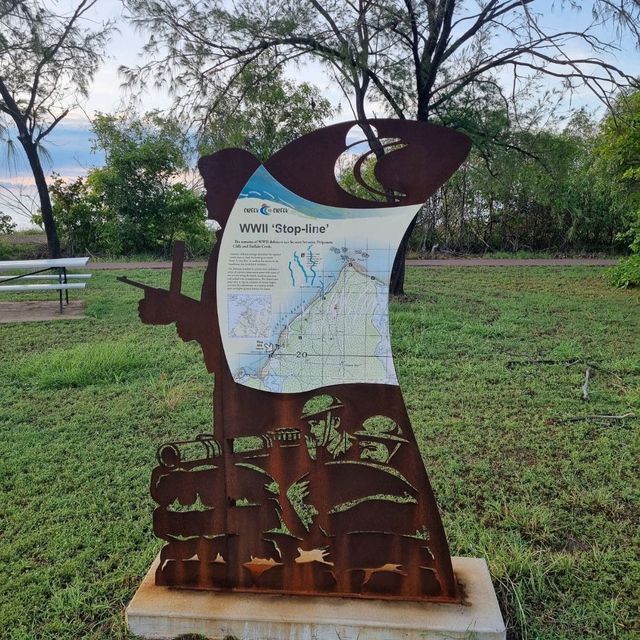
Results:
[38, 311]
[165, 613]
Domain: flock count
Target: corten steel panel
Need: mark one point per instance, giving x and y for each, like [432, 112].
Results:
[289, 510]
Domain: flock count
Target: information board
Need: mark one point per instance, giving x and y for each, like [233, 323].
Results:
[310, 481]
[303, 290]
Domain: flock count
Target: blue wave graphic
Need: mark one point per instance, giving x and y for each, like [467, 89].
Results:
[262, 185]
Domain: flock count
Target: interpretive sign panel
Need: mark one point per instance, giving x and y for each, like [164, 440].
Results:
[303, 289]
[311, 481]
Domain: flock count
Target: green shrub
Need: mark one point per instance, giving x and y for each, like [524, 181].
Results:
[135, 203]
[626, 273]
[7, 251]
[23, 250]
[7, 225]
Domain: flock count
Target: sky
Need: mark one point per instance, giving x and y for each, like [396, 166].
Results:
[69, 145]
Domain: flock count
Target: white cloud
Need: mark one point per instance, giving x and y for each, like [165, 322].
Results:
[17, 181]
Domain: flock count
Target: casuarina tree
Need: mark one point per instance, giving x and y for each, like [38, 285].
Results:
[47, 60]
[409, 58]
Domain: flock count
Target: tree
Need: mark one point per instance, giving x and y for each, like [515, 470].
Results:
[618, 154]
[415, 56]
[553, 197]
[410, 58]
[47, 60]
[139, 187]
[85, 225]
[138, 201]
[618, 151]
[262, 113]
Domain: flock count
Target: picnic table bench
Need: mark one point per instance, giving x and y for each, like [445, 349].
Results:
[34, 277]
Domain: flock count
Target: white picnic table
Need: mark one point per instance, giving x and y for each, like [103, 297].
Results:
[35, 270]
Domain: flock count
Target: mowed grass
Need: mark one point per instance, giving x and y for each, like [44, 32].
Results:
[491, 361]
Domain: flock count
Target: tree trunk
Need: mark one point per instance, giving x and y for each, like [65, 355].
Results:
[46, 209]
[396, 283]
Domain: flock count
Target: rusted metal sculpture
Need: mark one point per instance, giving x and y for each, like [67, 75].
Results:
[322, 491]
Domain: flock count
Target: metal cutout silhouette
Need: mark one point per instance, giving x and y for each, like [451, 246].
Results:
[321, 491]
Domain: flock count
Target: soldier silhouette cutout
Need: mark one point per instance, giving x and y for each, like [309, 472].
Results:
[321, 491]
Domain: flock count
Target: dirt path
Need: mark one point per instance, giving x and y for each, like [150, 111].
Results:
[444, 262]
[513, 262]
[35, 311]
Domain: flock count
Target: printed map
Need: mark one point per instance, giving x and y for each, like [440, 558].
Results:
[249, 315]
[303, 290]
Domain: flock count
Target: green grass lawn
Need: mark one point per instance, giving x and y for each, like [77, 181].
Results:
[491, 362]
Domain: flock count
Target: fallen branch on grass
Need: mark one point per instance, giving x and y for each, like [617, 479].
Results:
[528, 359]
[566, 363]
[600, 419]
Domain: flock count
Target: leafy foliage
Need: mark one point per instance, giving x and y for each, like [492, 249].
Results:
[47, 61]
[543, 190]
[626, 273]
[84, 223]
[135, 203]
[7, 225]
[413, 58]
[618, 154]
[263, 113]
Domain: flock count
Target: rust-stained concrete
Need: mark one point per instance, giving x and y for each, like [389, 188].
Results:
[162, 613]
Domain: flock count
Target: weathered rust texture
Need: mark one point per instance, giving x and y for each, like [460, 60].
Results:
[274, 503]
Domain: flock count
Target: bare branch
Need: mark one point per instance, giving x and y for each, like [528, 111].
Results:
[49, 129]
